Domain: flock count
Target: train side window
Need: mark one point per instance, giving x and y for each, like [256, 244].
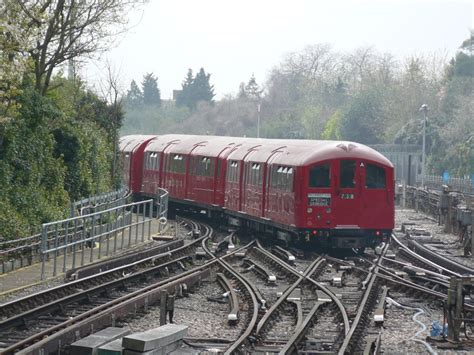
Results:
[320, 176]
[290, 180]
[233, 171]
[206, 166]
[374, 177]
[282, 178]
[347, 172]
[177, 163]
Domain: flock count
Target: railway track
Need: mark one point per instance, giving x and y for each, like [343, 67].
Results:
[27, 320]
[275, 302]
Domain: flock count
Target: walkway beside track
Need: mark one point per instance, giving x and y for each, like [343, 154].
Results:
[17, 280]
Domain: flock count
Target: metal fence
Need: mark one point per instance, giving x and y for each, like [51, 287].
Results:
[454, 183]
[406, 160]
[113, 229]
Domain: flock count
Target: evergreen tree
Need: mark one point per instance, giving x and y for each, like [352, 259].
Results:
[185, 96]
[134, 96]
[151, 93]
[242, 94]
[252, 89]
[195, 89]
[202, 89]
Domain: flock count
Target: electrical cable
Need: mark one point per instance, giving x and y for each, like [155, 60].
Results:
[414, 337]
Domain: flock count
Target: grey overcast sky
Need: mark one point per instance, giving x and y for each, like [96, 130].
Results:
[233, 39]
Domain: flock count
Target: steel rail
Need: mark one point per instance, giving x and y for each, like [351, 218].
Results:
[67, 329]
[318, 285]
[56, 305]
[447, 263]
[71, 287]
[300, 331]
[52, 339]
[233, 348]
[422, 259]
[264, 320]
[361, 311]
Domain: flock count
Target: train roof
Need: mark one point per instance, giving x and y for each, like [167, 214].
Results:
[292, 152]
[131, 142]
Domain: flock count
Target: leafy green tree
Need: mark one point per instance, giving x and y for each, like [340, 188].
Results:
[134, 97]
[151, 93]
[333, 127]
[363, 119]
[31, 178]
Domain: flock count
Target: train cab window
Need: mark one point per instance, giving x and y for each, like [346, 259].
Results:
[374, 177]
[320, 176]
[347, 172]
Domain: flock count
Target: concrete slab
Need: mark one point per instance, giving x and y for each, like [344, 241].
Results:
[170, 348]
[112, 348]
[90, 344]
[155, 338]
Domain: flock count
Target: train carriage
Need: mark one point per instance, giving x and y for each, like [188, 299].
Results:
[340, 194]
[131, 155]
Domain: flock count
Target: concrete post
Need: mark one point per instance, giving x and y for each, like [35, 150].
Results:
[448, 228]
[404, 194]
[163, 301]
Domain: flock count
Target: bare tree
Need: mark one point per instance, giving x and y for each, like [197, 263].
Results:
[112, 92]
[60, 30]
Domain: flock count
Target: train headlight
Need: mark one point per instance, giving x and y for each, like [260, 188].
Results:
[309, 210]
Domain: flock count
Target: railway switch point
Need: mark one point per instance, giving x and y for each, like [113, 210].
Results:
[271, 279]
[379, 314]
[295, 295]
[323, 297]
[337, 280]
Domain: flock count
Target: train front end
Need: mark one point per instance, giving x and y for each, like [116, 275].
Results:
[347, 197]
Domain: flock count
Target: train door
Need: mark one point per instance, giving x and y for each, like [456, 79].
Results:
[320, 210]
[347, 201]
[376, 196]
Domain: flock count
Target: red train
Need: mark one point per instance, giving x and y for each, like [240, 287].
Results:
[339, 194]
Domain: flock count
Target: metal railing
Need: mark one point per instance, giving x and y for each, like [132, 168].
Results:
[25, 251]
[162, 198]
[97, 202]
[117, 225]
